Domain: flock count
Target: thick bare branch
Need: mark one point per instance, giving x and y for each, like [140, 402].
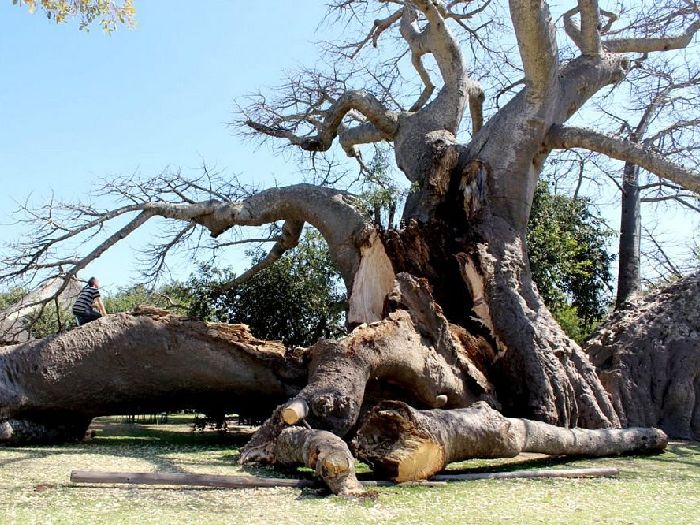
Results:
[649, 45]
[538, 47]
[586, 37]
[332, 212]
[560, 137]
[590, 23]
[365, 103]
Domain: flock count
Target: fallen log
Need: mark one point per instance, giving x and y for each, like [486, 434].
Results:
[404, 444]
[322, 451]
[217, 481]
[176, 478]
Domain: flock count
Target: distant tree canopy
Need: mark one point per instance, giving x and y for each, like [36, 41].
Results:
[107, 13]
[297, 300]
[569, 261]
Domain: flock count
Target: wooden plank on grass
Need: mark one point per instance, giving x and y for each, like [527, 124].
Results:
[175, 478]
[246, 482]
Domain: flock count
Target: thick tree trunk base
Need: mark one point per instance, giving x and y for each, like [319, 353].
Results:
[648, 359]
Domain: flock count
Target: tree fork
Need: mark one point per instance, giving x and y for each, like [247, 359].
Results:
[405, 444]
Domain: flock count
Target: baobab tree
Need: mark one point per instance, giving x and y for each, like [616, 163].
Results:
[444, 309]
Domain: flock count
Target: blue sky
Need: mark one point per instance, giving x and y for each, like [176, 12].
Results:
[78, 106]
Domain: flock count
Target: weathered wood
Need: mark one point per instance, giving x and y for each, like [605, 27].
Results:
[404, 444]
[176, 478]
[246, 482]
[648, 358]
[218, 481]
[136, 362]
[322, 451]
[539, 473]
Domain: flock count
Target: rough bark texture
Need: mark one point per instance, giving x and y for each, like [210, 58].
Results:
[540, 372]
[413, 354]
[322, 451]
[648, 358]
[444, 310]
[405, 444]
[128, 363]
[629, 276]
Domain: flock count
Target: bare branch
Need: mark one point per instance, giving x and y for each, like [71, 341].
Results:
[289, 238]
[332, 212]
[537, 43]
[587, 37]
[365, 103]
[649, 45]
[560, 137]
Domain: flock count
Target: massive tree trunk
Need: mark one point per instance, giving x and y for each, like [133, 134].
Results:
[648, 358]
[444, 310]
[51, 388]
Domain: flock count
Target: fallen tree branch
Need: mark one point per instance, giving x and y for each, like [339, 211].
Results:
[177, 478]
[405, 444]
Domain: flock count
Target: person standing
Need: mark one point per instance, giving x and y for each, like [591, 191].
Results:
[89, 306]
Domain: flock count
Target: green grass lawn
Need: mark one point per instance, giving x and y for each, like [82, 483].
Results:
[35, 487]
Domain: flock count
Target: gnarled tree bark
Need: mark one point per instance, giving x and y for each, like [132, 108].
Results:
[405, 444]
[444, 310]
[648, 358]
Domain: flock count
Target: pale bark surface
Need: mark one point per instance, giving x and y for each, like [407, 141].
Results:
[405, 444]
[444, 309]
[648, 358]
[128, 363]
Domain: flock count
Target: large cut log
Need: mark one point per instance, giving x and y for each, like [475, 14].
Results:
[130, 363]
[403, 444]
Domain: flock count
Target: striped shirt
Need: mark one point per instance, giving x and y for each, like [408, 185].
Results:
[84, 301]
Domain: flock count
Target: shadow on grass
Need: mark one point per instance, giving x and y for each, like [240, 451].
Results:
[148, 442]
[155, 443]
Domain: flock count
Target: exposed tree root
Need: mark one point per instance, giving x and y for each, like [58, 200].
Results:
[405, 444]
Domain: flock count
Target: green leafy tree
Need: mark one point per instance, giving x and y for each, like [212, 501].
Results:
[11, 296]
[569, 260]
[173, 296]
[107, 13]
[297, 300]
